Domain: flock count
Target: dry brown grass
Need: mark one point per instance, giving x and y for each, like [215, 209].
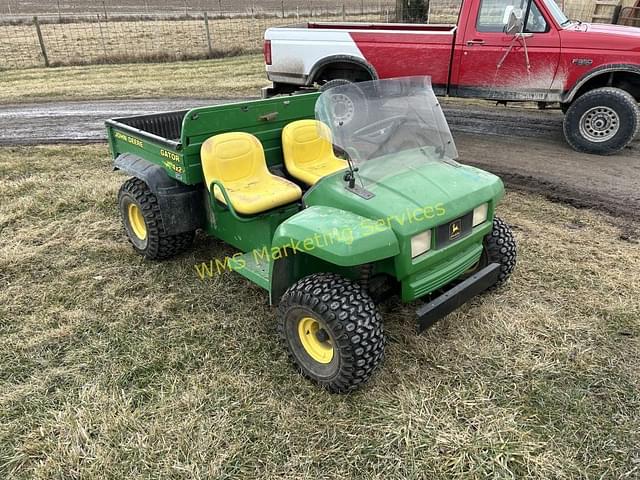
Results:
[114, 367]
[223, 78]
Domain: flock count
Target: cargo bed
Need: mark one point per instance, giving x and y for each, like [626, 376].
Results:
[173, 139]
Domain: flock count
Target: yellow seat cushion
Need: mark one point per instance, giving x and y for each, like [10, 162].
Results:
[308, 151]
[237, 161]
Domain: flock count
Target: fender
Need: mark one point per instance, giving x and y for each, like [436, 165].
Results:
[320, 64]
[331, 236]
[181, 206]
[612, 68]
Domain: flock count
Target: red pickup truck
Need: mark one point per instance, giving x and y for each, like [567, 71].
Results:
[503, 50]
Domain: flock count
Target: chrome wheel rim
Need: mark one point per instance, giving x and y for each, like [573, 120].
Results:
[599, 124]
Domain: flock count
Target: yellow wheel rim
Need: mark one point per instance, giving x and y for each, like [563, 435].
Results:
[136, 220]
[320, 351]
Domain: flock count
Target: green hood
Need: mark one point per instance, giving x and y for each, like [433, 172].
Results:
[441, 190]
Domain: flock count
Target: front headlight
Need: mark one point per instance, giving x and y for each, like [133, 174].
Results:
[480, 214]
[420, 243]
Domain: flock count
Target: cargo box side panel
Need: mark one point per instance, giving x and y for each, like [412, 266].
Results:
[123, 140]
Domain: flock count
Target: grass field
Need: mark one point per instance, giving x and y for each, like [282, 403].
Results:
[114, 367]
[222, 78]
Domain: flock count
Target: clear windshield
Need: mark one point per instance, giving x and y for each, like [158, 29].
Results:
[385, 127]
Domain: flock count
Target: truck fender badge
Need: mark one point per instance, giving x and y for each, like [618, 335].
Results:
[582, 61]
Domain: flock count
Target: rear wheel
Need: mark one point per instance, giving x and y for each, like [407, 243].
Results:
[346, 106]
[602, 121]
[332, 331]
[143, 223]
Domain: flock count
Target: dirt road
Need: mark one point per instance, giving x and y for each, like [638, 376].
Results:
[524, 146]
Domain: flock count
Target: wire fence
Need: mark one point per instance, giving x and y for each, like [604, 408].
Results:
[114, 35]
[49, 41]
[66, 8]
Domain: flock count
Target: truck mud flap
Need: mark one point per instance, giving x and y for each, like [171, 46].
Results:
[439, 307]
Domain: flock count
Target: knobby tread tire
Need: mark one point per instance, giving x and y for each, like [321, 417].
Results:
[159, 245]
[353, 321]
[619, 100]
[500, 246]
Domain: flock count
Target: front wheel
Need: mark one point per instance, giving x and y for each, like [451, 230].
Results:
[332, 331]
[500, 247]
[602, 121]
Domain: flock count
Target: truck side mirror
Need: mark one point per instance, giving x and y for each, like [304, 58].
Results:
[513, 20]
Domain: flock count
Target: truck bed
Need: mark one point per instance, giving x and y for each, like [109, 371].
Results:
[405, 27]
[300, 54]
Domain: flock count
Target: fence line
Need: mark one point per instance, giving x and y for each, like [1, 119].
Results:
[150, 38]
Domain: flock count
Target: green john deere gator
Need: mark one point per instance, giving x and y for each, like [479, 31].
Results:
[334, 201]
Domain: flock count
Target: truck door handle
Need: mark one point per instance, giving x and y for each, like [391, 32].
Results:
[471, 43]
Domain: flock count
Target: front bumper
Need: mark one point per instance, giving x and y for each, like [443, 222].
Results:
[439, 307]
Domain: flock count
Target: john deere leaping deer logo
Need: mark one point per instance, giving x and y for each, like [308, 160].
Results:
[455, 229]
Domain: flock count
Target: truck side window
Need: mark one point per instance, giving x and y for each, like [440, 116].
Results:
[491, 15]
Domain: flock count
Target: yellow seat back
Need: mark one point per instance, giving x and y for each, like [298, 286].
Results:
[306, 141]
[230, 157]
[307, 147]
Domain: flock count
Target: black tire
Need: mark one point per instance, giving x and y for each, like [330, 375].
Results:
[352, 329]
[500, 247]
[359, 106]
[336, 82]
[602, 121]
[136, 196]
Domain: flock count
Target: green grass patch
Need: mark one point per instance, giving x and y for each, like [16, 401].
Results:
[115, 367]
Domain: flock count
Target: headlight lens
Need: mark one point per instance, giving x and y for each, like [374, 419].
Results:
[480, 214]
[420, 243]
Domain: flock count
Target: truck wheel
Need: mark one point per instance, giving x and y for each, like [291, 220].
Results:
[602, 121]
[332, 331]
[500, 247]
[143, 224]
[347, 108]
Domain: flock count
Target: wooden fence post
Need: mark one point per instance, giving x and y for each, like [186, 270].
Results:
[43, 49]
[206, 26]
[282, 5]
[104, 45]
[344, 13]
